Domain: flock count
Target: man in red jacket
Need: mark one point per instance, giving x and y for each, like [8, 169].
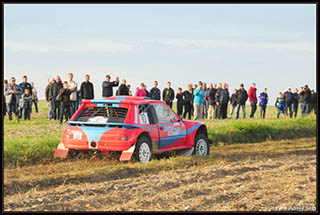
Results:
[252, 99]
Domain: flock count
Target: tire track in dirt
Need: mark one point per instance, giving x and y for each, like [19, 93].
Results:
[241, 185]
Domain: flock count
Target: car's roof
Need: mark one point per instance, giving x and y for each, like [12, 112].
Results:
[123, 100]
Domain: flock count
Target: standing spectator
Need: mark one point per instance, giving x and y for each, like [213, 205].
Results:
[313, 102]
[86, 89]
[263, 103]
[198, 101]
[130, 92]
[206, 101]
[295, 102]
[168, 94]
[253, 99]
[223, 100]
[4, 105]
[188, 101]
[65, 103]
[34, 97]
[307, 96]
[12, 93]
[147, 92]
[141, 91]
[180, 102]
[242, 97]
[25, 84]
[26, 104]
[49, 100]
[288, 99]
[72, 85]
[301, 99]
[218, 107]
[107, 86]
[53, 95]
[123, 90]
[280, 104]
[233, 102]
[193, 89]
[155, 91]
[212, 103]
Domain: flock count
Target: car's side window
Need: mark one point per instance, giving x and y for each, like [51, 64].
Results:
[147, 114]
[164, 113]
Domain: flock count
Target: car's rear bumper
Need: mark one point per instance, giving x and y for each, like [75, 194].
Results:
[105, 145]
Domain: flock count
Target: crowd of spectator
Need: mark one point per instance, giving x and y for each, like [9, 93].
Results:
[198, 100]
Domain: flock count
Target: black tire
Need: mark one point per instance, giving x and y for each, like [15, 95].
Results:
[201, 145]
[143, 152]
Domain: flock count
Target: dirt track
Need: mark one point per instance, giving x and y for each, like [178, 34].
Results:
[284, 181]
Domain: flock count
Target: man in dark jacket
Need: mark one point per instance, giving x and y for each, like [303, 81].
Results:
[25, 84]
[12, 94]
[65, 103]
[188, 101]
[107, 86]
[233, 102]
[48, 99]
[301, 99]
[53, 95]
[155, 91]
[168, 94]
[288, 99]
[242, 97]
[218, 107]
[313, 102]
[86, 89]
[123, 90]
[295, 102]
[212, 103]
[307, 96]
[223, 100]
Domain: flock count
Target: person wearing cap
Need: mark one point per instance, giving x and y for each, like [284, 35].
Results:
[123, 90]
[13, 92]
[86, 89]
[107, 86]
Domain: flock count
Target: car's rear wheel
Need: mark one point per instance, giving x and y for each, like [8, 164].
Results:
[201, 145]
[143, 150]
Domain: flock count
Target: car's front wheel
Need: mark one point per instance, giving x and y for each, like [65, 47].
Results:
[201, 145]
[143, 150]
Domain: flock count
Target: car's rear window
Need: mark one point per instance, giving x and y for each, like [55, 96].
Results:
[107, 113]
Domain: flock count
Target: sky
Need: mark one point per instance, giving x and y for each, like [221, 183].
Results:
[273, 45]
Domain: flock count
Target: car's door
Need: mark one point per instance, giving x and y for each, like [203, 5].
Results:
[172, 131]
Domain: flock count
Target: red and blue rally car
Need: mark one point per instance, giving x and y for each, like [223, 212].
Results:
[134, 126]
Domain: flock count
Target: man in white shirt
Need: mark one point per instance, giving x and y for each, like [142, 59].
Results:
[72, 85]
[34, 97]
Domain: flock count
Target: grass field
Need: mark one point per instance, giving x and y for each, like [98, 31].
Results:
[35, 141]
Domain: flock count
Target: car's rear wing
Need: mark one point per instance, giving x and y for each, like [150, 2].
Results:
[104, 124]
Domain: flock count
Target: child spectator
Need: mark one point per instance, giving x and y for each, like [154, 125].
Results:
[180, 102]
[233, 102]
[65, 103]
[280, 104]
[26, 104]
[263, 103]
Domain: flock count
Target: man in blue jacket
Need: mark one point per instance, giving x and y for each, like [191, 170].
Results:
[155, 91]
[263, 103]
[13, 92]
[198, 101]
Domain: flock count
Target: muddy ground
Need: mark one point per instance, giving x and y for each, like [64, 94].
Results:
[263, 181]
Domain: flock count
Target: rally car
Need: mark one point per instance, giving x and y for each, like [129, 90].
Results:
[135, 126]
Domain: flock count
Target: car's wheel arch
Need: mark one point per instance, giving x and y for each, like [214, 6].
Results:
[201, 130]
[147, 135]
